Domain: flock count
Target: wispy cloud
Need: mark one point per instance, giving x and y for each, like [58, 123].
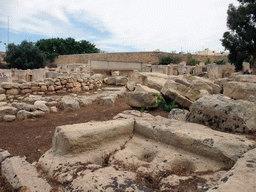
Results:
[123, 25]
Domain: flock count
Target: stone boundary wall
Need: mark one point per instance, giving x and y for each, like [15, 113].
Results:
[144, 57]
[53, 86]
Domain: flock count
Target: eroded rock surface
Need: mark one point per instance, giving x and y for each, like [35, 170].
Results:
[224, 114]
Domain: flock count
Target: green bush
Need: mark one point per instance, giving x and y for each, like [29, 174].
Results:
[220, 62]
[160, 104]
[168, 60]
[208, 61]
[176, 60]
[192, 62]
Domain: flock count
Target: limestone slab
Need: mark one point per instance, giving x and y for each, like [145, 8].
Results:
[21, 175]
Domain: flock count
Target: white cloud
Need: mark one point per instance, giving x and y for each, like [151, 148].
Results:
[144, 25]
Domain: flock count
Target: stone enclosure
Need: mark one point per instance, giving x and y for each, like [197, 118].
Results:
[202, 145]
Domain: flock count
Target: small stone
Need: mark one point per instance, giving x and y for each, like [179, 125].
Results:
[9, 118]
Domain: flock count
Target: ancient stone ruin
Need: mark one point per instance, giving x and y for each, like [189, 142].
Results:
[203, 146]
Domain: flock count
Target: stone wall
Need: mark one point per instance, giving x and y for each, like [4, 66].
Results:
[70, 84]
[144, 57]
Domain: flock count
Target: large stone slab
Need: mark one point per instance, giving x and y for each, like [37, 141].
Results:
[143, 88]
[78, 138]
[152, 80]
[179, 98]
[224, 114]
[239, 90]
[241, 177]
[140, 99]
[80, 144]
[198, 139]
[246, 78]
[22, 176]
[215, 87]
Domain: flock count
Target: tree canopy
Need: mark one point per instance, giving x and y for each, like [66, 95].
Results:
[24, 56]
[241, 39]
[59, 46]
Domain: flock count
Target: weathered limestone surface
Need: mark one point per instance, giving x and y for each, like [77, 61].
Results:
[224, 114]
[40, 105]
[215, 88]
[140, 99]
[9, 118]
[241, 177]
[3, 155]
[81, 137]
[2, 97]
[152, 80]
[198, 139]
[130, 85]
[179, 99]
[84, 143]
[107, 179]
[21, 175]
[178, 114]
[239, 90]
[68, 103]
[246, 78]
[7, 110]
[23, 114]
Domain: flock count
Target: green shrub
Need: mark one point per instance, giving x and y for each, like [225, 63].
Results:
[168, 60]
[160, 104]
[192, 62]
[208, 61]
[220, 62]
[176, 60]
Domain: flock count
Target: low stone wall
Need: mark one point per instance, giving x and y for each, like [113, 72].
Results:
[52, 86]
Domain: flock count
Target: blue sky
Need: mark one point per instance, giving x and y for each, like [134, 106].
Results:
[118, 25]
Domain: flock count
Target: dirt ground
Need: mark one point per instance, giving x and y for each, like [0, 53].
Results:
[33, 137]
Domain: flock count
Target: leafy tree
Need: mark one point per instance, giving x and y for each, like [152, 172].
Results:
[240, 41]
[24, 56]
[59, 46]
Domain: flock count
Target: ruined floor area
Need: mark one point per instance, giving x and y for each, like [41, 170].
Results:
[33, 137]
[138, 164]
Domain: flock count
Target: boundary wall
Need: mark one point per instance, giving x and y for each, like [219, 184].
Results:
[143, 57]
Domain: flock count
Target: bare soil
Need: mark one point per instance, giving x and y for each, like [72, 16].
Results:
[33, 137]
